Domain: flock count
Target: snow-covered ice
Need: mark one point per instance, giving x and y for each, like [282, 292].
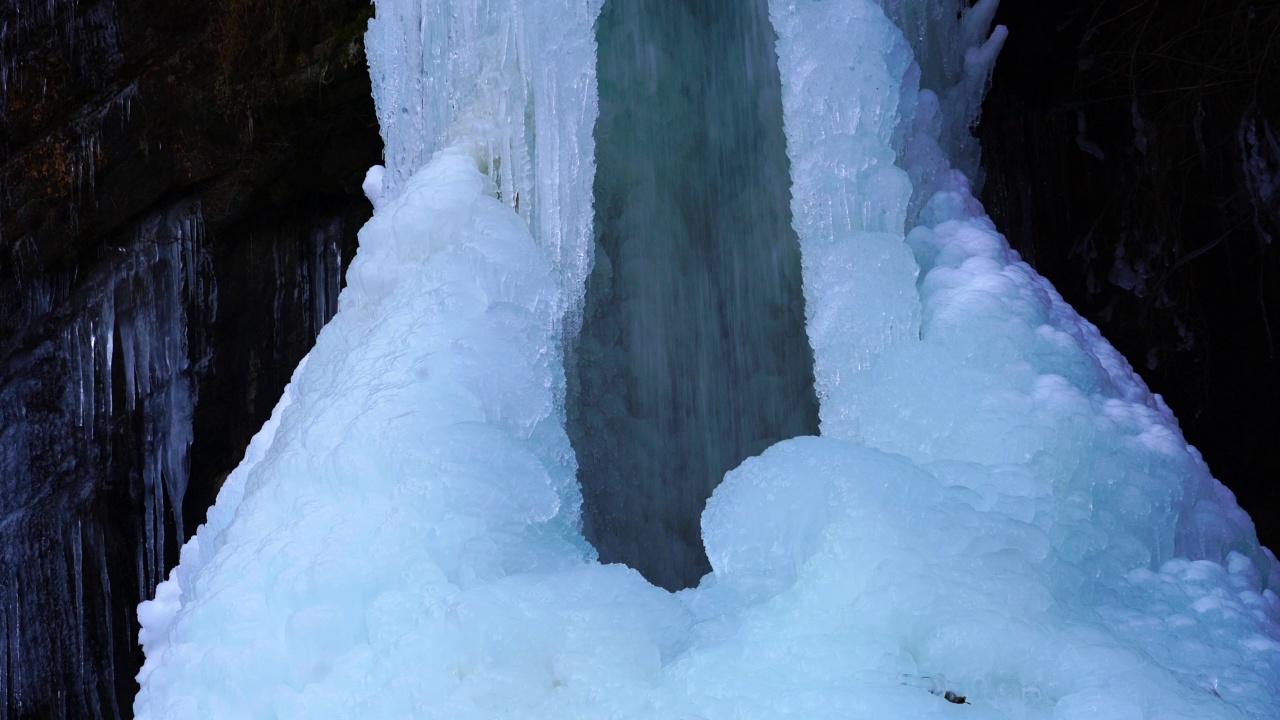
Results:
[998, 512]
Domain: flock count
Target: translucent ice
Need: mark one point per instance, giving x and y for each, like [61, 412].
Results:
[515, 80]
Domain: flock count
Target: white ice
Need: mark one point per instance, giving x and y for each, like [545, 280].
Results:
[997, 509]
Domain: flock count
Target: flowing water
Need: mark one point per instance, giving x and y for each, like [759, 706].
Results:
[693, 354]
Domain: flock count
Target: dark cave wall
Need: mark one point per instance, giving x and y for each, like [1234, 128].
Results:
[1124, 144]
[189, 166]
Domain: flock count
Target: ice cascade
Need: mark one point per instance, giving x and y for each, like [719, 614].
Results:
[998, 512]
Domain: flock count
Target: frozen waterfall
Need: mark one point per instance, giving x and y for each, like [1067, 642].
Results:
[997, 513]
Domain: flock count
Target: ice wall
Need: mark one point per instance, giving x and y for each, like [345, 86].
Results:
[513, 80]
[952, 307]
[998, 514]
[1066, 485]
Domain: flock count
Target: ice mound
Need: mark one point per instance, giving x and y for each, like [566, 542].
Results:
[999, 521]
[881, 572]
[417, 489]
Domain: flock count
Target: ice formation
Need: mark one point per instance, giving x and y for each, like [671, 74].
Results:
[998, 513]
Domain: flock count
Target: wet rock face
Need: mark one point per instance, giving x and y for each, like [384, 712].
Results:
[179, 196]
[1132, 158]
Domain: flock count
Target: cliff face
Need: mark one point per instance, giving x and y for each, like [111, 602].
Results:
[179, 195]
[1132, 152]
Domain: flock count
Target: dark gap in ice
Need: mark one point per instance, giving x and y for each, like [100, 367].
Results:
[693, 354]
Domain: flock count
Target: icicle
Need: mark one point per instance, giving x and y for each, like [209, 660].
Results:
[77, 373]
[100, 544]
[107, 326]
[152, 565]
[4, 658]
[324, 276]
[86, 346]
[7, 601]
[77, 570]
[277, 299]
[504, 78]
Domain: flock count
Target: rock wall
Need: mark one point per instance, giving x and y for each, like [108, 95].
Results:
[179, 196]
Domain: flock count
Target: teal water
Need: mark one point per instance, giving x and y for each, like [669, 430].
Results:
[693, 354]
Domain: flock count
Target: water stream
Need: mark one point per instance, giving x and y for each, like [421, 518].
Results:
[693, 354]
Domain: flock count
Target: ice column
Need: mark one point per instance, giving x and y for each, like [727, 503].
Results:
[514, 81]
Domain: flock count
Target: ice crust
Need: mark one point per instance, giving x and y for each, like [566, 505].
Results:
[997, 508]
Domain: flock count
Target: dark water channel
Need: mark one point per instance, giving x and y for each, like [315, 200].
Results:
[693, 354]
